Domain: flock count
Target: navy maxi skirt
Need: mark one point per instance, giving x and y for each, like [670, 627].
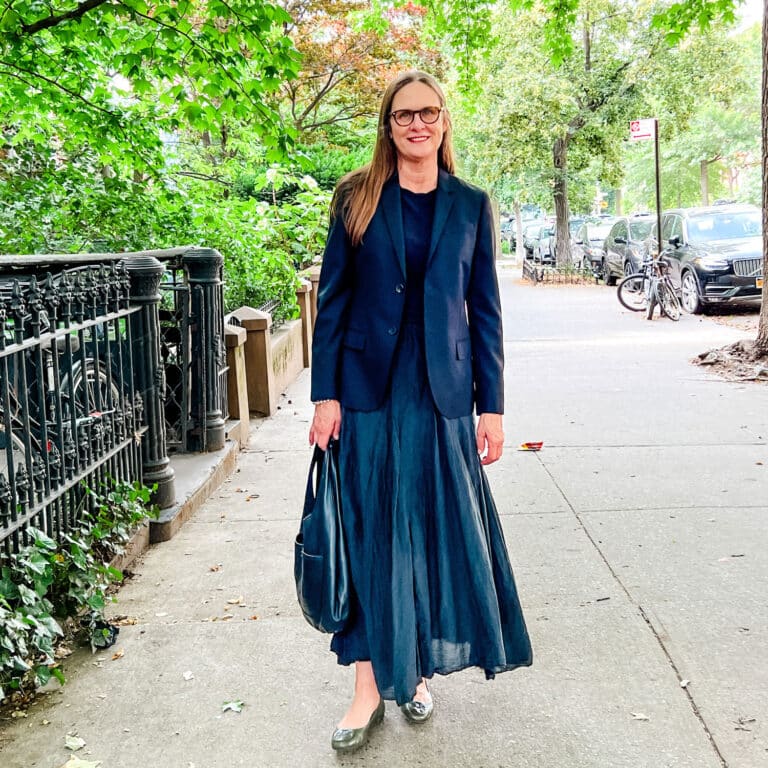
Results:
[434, 590]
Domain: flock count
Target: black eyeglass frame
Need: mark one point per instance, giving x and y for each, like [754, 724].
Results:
[413, 113]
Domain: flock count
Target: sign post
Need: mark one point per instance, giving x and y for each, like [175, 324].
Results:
[645, 130]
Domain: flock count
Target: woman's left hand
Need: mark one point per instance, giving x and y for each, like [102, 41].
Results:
[490, 437]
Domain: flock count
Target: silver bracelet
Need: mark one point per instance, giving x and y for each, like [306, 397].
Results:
[320, 402]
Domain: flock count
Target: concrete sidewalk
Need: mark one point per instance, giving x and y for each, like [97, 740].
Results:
[638, 538]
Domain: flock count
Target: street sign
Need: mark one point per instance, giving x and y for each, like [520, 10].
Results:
[642, 130]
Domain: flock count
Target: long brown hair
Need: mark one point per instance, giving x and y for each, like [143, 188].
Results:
[357, 194]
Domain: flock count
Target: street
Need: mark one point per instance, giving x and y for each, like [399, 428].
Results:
[638, 539]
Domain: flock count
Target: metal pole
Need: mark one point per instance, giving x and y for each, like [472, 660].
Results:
[145, 274]
[658, 186]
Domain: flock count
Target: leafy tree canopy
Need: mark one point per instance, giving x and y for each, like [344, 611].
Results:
[112, 73]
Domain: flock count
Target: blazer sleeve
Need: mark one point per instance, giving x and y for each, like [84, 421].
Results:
[484, 314]
[333, 297]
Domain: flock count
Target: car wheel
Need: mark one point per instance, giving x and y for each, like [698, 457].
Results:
[689, 289]
[608, 278]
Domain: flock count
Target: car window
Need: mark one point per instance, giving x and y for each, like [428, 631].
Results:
[599, 233]
[619, 230]
[724, 226]
[639, 230]
[667, 226]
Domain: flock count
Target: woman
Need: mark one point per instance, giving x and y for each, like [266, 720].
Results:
[407, 338]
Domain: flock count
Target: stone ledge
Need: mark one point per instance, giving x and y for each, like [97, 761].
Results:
[197, 476]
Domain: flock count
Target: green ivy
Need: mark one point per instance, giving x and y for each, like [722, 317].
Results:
[48, 582]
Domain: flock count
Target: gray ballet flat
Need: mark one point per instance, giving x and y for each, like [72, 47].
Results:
[351, 739]
[418, 711]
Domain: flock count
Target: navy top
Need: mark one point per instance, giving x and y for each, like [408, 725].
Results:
[418, 213]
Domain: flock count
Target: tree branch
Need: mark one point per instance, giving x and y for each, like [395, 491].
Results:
[203, 177]
[13, 70]
[52, 21]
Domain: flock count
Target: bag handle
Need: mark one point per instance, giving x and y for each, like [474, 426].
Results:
[314, 474]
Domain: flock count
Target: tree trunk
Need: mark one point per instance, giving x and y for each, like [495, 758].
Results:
[619, 201]
[762, 330]
[704, 178]
[519, 248]
[560, 195]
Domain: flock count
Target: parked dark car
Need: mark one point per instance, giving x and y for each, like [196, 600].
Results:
[715, 254]
[587, 246]
[624, 247]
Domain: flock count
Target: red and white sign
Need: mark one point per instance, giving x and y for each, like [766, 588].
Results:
[642, 130]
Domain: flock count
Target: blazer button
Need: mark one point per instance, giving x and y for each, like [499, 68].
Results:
[392, 331]
[399, 288]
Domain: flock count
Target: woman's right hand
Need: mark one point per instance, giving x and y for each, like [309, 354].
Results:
[326, 423]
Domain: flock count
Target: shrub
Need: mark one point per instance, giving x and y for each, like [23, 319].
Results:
[48, 583]
[264, 244]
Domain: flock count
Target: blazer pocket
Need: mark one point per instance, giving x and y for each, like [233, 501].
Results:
[463, 348]
[354, 340]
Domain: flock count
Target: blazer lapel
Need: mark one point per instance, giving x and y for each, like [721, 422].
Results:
[393, 215]
[443, 205]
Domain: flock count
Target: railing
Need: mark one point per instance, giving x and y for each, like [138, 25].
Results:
[68, 406]
[192, 348]
[567, 274]
[85, 378]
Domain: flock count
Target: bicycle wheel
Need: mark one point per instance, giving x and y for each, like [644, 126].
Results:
[668, 301]
[632, 292]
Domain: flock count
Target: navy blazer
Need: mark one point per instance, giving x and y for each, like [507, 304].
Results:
[361, 299]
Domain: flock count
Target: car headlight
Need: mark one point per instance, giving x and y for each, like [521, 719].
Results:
[712, 262]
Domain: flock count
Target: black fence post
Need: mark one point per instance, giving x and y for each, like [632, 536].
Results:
[204, 268]
[145, 274]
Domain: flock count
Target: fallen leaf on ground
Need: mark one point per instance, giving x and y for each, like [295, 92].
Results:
[73, 742]
[118, 655]
[235, 706]
[215, 568]
[124, 621]
[639, 716]
[254, 617]
[236, 600]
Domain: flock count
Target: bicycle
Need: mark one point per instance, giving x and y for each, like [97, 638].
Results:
[643, 290]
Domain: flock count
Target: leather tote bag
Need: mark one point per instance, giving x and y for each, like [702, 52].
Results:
[320, 567]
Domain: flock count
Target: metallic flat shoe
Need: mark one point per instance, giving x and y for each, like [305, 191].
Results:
[350, 739]
[418, 711]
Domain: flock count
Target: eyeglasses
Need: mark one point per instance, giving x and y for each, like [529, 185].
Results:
[405, 117]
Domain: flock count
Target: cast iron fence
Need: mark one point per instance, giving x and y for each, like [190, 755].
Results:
[68, 407]
[83, 380]
[193, 349]
[568, 274]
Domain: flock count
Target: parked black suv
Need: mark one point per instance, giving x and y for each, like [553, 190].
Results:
[715, 254]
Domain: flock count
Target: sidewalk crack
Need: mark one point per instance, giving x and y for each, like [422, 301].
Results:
[665, 650]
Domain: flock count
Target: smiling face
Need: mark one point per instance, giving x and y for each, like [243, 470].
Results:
[419, 141]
